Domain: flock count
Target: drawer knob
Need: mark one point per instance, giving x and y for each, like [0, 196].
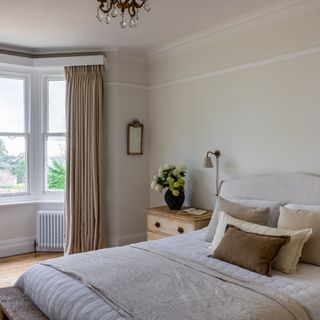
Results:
[180, 230]
[157, 224]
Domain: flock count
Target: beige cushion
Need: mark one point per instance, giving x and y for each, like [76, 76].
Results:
[249, 250]
[250, 214]
[274, 208]
[298, 219]
[289, 254]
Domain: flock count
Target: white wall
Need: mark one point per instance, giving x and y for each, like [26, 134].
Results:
[18, 226]
[127, 180]
[253, 93]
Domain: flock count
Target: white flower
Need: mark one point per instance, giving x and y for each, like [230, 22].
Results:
[158, 188]
[155, 178]
[176, 172]
[160, 170]
[166, 166]
[153, 184]
[183, 168]
[171, 166]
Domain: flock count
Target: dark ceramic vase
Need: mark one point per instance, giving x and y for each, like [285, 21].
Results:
[174, 203]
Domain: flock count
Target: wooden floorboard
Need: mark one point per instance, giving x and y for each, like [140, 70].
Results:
[12, 267]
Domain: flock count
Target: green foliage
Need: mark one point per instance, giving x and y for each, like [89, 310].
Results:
[56, 176]
[16, 165]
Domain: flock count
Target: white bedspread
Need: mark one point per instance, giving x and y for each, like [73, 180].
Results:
[61, 297]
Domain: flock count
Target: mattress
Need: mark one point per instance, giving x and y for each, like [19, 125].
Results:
[60, 296]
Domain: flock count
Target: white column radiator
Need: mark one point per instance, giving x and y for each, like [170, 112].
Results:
[50, 230]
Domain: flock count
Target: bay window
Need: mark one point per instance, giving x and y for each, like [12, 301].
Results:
[33, 127]
[32, 135]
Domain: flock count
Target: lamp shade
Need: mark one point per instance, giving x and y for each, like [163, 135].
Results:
[207, 162]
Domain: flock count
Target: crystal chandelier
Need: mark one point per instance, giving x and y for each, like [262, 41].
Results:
[110, 8]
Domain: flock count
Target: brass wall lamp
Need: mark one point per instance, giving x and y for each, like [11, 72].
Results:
[208, 163]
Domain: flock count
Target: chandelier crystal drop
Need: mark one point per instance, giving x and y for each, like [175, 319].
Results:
[108, 9]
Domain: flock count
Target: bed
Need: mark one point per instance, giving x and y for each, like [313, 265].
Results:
[173, 278]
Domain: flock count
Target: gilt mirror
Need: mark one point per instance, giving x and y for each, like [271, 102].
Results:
[135, 138]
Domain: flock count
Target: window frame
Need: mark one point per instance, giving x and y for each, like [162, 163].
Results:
[26, 77]
[45, 134]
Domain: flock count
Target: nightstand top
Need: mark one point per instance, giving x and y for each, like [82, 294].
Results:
[164, 211]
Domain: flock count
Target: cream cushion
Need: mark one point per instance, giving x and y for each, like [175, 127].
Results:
[303, 206]
[298, 219]
[289, 254]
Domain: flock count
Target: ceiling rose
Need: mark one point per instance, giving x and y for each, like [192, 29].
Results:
[108, 9]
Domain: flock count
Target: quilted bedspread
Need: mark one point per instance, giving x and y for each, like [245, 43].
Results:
[166, 279]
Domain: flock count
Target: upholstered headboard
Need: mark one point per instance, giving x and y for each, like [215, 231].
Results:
[285, 187]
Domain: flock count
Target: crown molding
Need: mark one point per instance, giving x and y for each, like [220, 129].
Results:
[51, 62]
[17, 51]
[53, 52]
[124, 54]
[271, 14]
[239, 67]
[73, 51]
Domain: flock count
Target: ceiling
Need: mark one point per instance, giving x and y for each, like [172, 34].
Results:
[43, 25]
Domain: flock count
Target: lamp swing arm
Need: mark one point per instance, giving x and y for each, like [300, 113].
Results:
[217, 154]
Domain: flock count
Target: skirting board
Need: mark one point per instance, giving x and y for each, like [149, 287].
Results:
[25, 245]
[39, 249]
[16, 246]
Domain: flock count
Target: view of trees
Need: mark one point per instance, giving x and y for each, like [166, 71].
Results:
[14, 165]
[56, 175]
[16, 168]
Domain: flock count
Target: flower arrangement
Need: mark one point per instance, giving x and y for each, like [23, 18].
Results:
[172, 177]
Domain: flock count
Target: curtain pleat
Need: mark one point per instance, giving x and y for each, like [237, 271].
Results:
[84, 196]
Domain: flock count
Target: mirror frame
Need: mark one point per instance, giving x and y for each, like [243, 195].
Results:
[135, 124]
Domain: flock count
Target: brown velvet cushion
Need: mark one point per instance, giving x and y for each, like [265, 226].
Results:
[249, 250]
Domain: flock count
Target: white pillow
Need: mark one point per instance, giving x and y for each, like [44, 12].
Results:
[289, 254]
[297, 219]
[302, 207]
[274, 208]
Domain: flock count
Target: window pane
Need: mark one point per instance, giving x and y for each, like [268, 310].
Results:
[13, 165]
[56, 163]
[11, 105]
[57, 101]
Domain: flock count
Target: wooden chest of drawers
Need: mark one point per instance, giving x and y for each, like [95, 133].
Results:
[162, 222]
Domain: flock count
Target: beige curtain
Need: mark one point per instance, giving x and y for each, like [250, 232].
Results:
[84, 194]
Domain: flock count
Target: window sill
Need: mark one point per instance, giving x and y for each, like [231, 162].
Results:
[26, 202]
